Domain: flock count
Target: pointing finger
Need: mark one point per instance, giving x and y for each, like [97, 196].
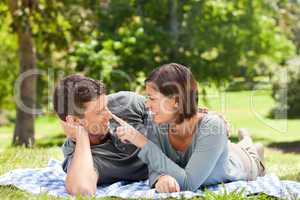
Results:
[119, 120]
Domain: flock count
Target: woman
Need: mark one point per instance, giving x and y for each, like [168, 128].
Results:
[186, 149]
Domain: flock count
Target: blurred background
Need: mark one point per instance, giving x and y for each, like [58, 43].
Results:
[245, 55]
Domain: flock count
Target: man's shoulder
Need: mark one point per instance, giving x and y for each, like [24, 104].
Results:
[126, 96]
[126, 103]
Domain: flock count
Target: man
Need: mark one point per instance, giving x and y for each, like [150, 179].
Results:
[93, 155]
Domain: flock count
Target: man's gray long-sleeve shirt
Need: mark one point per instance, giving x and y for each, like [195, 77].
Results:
[114, 160]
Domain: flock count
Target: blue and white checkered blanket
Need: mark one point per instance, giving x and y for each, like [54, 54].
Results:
[51, 180]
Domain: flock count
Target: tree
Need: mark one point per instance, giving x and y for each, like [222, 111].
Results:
[216, 38]
[286, 89]
[51, 27]
[9, 61]
[24, 129]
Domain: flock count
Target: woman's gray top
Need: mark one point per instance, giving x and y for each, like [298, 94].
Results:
[206, 161]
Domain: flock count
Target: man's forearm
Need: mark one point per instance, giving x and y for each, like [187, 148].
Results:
[82, 177]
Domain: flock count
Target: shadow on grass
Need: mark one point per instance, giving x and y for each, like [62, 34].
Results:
[278, 113]
[50, 141]
[9, 187]
[294, 177]
[235, 139]
[286, 147]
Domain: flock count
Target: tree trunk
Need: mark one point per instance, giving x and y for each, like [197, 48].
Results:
[24, 129]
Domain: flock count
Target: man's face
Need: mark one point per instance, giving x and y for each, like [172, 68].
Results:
[97, 116]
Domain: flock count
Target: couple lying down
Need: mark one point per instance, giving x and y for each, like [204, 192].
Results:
[164, 137]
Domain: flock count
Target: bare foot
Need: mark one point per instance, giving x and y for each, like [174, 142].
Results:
[243, 134]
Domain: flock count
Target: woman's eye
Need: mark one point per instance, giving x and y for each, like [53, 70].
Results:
[149, 98]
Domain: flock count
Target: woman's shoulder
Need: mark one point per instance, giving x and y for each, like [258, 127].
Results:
[211, 117]
[211, 124]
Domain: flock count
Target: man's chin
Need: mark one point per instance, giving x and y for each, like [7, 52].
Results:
[93, 135]
[96, 138]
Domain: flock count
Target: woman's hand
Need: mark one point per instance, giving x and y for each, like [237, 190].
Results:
[127, 133]
[167, 183]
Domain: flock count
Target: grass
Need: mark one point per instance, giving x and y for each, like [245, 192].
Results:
[243, 109]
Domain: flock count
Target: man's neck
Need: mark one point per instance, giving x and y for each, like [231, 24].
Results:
[96, 139]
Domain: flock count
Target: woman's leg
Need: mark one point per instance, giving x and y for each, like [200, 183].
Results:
[260, 151]
[255, 151]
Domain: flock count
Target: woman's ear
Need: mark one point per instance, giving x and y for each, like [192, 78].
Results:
[175, 101]
[176, 105]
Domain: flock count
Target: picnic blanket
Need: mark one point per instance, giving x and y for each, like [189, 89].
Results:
[51, 180]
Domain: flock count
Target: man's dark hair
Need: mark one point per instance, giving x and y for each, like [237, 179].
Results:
[175, 80]
[72, 92]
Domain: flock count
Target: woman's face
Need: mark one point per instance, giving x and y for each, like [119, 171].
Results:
[163, 108]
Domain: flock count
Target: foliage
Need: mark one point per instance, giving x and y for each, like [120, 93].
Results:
[121, 41]
[286, 90]
[216, 38]
[288, 18]
[8, 61]
[56, 25]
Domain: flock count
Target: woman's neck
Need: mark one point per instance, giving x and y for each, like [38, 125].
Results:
[186, 128]
[181, 135]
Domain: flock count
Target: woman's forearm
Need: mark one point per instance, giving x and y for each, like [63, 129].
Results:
[195, 172]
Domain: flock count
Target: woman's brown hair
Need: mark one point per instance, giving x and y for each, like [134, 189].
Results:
[175, 80]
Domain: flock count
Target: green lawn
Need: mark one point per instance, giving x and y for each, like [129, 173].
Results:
[243, 109]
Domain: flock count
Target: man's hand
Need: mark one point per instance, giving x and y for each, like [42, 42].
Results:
[127, 133]
[227, 124]
[226, 121]
[71, 130]
[167, 183]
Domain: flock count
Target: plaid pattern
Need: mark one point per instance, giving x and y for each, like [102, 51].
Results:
[51, 180]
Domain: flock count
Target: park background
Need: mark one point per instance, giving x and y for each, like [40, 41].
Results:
[245, 55]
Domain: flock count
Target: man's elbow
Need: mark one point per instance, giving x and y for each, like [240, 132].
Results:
[81, 189]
